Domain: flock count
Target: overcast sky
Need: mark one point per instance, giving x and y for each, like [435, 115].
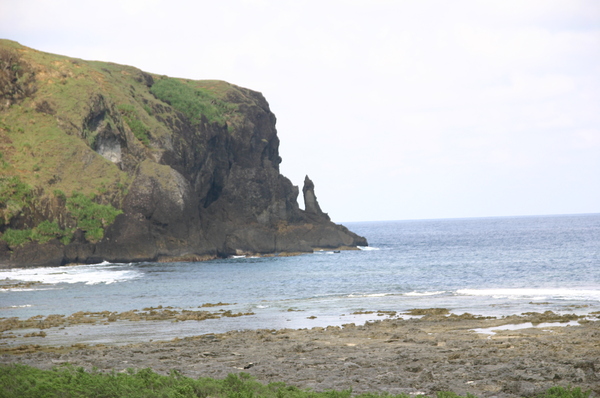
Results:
[395, 109]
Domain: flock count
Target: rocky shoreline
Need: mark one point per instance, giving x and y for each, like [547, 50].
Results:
[416, 356]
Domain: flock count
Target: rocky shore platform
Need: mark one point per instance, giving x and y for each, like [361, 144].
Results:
[512, 356]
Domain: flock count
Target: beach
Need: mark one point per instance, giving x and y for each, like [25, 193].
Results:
[433, 351]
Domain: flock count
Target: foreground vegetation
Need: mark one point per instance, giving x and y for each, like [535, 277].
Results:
[67, 381]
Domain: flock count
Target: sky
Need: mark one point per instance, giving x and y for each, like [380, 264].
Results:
[395, 109]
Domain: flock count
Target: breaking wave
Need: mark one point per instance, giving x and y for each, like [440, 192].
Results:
[90, 274]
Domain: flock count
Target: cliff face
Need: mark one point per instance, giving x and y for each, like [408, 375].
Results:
[105, 162]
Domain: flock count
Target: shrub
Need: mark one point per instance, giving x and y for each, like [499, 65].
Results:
[91, 217]
[16, 237]
[47, 230]
[94, 234]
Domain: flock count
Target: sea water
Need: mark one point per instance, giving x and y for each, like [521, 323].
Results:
[483, 266]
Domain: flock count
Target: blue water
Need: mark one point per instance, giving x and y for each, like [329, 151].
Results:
[484, 266]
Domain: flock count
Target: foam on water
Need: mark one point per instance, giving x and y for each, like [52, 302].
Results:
[534, 294]
[91, 274]
[425, 293]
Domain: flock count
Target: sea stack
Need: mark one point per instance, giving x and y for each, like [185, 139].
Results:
[311, 205]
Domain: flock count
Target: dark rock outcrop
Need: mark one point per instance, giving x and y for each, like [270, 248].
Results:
[188, 187]
[310, 199]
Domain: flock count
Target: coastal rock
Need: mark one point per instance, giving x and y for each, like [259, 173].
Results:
[310, 199]
[190, 169]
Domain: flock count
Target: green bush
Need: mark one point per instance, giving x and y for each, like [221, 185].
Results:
[16, 237]
[47, 230]
[94, 234]
[192, 102]
[91, 217]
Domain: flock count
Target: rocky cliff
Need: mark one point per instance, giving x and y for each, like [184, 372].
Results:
[100, 161]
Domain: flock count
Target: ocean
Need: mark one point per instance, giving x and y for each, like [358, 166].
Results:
[483, 266]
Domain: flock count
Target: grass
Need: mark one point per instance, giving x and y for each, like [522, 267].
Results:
[14, 196]
[44, 156]
[47, 148]
[193, 102]
[49, 139]
[69, 382]
[50, 144]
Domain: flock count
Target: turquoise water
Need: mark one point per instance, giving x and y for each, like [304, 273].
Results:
[485, 266]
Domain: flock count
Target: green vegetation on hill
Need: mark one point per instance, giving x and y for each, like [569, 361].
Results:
[90, 217]
[52, 110]
[48, 140]
[14, 196]
[138, 128]
[69, 382]
[17, 79]
[193, 102]
[42, 233]
[70, 125]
